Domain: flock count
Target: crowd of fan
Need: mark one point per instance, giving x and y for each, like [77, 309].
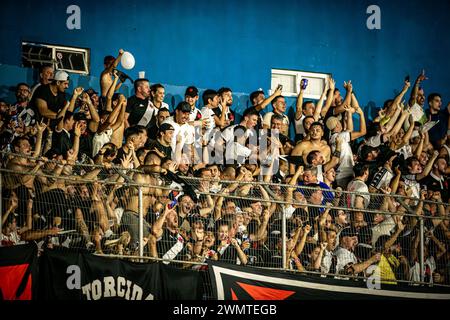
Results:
[120, 143]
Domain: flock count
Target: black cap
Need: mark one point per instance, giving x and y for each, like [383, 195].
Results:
[191, 91]
[183, 106]
[79, 116]
[349, 232]
[165, 126]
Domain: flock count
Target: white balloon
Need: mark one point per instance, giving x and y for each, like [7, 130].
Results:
[127, 60]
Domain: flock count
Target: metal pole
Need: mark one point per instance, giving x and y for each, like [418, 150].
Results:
[422, 276]
[283, 234]
[141, 224]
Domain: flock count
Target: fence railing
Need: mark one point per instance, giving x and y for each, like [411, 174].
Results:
[123, 213]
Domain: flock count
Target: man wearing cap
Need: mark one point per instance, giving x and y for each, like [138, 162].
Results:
[315, 143]
[347, 263]
[184, 133]
[164, 140]
[49, 100]
[191, 97]
[344, 172]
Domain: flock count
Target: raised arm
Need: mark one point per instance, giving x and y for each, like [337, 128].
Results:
[362, 130]
[268, 100]
[399, 97]
[392, 120]
[347, 100]
[110, 93]
[421, 77]
[121, 118]
[332, 85]
[426, 171]
[319, 105]
[40, 131]
[115, 63]
[76, 93]
[157, 228]
[242, 256]
[95, 118]
[299, 105]
[300, 245]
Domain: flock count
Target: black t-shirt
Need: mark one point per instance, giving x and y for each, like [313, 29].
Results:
[230, 255]
[218, 112]
[171, 246]
[86, 144]
[152, 131]
[61, 142]
[54, 103]
[151, 144]
[434, 184]
[136, 107]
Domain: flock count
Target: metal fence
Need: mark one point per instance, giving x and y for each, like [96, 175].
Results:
[125, 213]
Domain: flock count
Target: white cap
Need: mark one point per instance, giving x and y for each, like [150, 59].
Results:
[61, 76]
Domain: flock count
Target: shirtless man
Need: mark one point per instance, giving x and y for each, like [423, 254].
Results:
[150, 195]
[106, 79]
[22, 146]
[315, 143]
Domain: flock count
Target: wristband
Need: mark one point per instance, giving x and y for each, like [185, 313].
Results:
[337, 154]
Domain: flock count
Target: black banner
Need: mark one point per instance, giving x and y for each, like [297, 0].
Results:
[83, 276]
[18, 272]
[232, 282]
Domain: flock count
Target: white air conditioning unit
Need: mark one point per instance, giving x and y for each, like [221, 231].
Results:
[290, 79]
[70, 59]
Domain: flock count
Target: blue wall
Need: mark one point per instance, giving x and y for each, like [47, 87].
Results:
[214, 43]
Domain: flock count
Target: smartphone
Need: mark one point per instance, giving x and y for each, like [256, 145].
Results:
[407, 78]
[280, 86]
[173, 204]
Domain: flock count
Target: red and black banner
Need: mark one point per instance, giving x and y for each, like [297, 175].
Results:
[18, 272]
[232, 282]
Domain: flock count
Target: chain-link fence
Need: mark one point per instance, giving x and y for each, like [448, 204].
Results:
[158, 215]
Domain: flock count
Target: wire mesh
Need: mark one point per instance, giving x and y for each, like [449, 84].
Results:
[328, 232]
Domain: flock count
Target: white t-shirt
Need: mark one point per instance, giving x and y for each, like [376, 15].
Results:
[100, 140]
[298, 124]
[326, 261]
[186, 131]
[383, 228]
[406, 151]
[237, 151]
[228, 133]
[414, 272]
[208, 113]
[346, 163]
[344, 257]
[193, 114]
[357, 186]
